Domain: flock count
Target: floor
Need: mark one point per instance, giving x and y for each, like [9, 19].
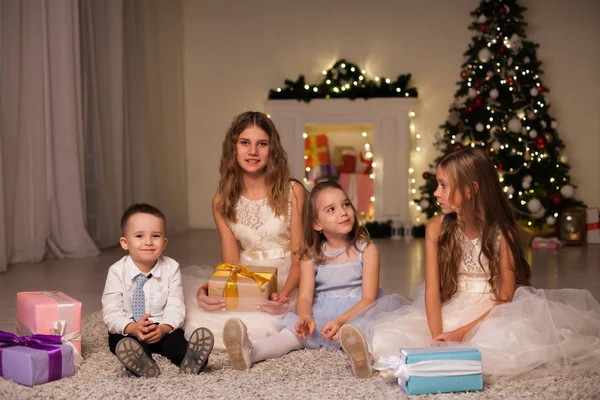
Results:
[402, 270]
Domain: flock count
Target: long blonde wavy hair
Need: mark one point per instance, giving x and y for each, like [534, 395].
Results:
[489, 210]
[277, 171]
[312, 241]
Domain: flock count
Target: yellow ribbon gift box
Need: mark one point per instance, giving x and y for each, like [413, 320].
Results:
[242, 286]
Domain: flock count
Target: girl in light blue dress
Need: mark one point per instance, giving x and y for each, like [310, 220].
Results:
[339, 278]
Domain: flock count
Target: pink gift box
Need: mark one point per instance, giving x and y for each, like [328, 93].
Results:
[547, 243]
[50, 313]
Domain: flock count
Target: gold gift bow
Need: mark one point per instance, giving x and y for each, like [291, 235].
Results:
[232, 271]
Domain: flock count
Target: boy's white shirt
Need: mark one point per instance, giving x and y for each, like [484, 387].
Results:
[163, 294]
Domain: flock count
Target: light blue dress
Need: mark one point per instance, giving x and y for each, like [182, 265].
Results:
[338, 287]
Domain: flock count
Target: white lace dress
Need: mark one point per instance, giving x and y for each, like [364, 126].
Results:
[265, 241]
[540, 330]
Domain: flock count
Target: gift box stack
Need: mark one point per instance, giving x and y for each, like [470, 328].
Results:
[49, 342]
[243, 287]
[436, 369]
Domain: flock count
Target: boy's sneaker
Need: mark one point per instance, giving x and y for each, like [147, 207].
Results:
[237, 343]
[354, 344]
[199, 348]
[133, 357]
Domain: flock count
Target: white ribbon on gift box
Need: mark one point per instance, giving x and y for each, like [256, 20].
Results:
[57, 328]
[433, 368]
[66, 310]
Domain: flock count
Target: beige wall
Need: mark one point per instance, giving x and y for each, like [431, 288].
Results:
[235, 51]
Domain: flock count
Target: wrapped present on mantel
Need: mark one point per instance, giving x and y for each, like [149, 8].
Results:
[35, 359]
[441, 369]
[50, 313]
[593, 225]
[243, 287]
[316, 155]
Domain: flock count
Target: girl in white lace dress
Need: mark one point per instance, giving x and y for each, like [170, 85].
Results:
[473, 268]
[258, 206]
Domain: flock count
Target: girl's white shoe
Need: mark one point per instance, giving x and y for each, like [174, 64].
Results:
[237, 343]
[354, 344]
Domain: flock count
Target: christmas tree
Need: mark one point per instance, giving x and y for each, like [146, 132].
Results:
[502, 106]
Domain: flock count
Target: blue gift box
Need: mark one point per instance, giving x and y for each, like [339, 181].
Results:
[436, 369]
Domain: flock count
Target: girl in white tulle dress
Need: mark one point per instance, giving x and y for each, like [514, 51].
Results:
[258, 206]
[473, 268]
[339, 278]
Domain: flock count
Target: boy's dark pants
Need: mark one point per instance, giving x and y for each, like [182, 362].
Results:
[173, 345]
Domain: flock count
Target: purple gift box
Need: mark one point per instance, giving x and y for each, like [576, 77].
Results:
[32, 360]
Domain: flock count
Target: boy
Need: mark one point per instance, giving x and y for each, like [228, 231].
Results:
[142, 303]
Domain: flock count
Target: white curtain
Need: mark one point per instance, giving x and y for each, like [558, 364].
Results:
[91, 114]
[103, 110]
[133, 111]
[42, 208]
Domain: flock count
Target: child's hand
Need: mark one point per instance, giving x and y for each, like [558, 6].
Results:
[456, 335]
[279, 298]
[331, 330]
[141, 328]
[277, 305]
[156, 334]
[209, 303]
[305, 326]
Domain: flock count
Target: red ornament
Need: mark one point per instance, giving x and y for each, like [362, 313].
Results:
[557, 199]
[502, 10]
[469, 109]
[463, 74]
[478, 102]
[510, 80]
[502, 49]
[425, 175]
[482, 27]
[476, 84]
[540, 141]
[500, 166]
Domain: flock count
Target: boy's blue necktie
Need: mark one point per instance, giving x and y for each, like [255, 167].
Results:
[138, 302]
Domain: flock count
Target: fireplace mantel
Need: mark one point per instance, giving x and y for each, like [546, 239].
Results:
[391, 141]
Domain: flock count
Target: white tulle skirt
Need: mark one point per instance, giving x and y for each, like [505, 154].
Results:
[260, 324]
[538, 332]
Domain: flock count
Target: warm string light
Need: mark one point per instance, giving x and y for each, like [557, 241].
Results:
[307, 169]
[343, 77]
[411, 178]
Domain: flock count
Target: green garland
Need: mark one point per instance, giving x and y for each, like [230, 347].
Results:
[344, 80]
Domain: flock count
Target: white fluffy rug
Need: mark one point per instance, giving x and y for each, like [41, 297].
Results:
[315, 374]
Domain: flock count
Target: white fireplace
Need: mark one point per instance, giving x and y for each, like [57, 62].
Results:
[390, 120]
